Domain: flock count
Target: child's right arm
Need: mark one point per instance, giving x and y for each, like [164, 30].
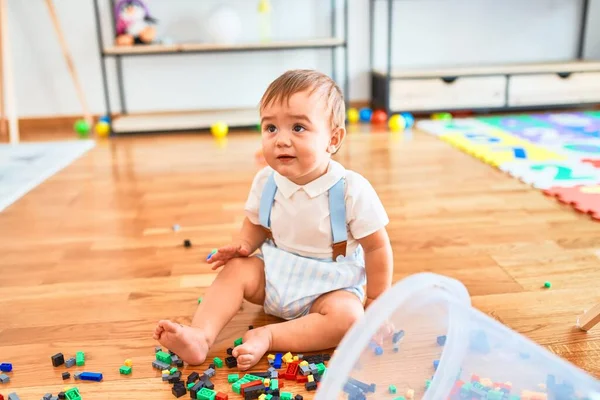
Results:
[249, 239]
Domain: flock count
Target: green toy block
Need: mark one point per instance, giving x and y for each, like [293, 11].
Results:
[80, 358]
[125, 370]
[231, 378]
[218, 362]
[427, 383]
[269, 397]
[173, 370]
[164, 357]
[237, 342]
[285, 395]
[73, 394]
[199, 300]
[274, 384]
[400, 398]
[191, 385]
[252, 378]
[206, 394]
[392, 389]
[321, 368]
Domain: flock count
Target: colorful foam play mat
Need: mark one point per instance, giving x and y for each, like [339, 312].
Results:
[24, 166]
[558, 153]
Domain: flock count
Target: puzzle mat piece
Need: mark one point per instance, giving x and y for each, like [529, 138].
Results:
[585, 199]
[496, 147]
[439, 127]
[585, 122]
[544, 175]
[579, 149]
[595, 163]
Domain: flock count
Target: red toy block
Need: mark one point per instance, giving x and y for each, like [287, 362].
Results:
[595, 163]
[585, 199]
[249, 384]
[301, 378]
[291, 371]
[456, 389]
[474, 378]
[221, 396]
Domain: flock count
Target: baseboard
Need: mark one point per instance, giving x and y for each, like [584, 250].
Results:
[34, 126]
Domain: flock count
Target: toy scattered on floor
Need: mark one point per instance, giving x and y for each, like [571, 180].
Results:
[353, 115]
[443, 116]
[365, 114]
[176, 227]
[547, 285]
[379, 117]
[219, 129]
[397, 123]
[82, 127]
[6, 367]
[187, 243]
[102, 129]
[134, 24]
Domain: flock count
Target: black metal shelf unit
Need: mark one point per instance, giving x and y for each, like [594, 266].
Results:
[118, 53]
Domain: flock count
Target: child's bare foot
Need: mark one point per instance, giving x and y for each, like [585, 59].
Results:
[256, 343]
[190, 344]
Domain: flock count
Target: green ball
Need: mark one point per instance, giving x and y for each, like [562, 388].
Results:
[547, 285]
[82, 127]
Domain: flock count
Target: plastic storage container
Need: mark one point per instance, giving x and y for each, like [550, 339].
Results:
[442, 348]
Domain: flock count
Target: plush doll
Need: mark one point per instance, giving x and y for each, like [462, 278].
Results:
[134, 23]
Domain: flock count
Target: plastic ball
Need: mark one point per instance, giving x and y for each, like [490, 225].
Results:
[379, 117]
[104, 118]
[82, 127]
[547, 285]
[409, 119]
[353, 115]
[444, 116]
[397, 123]
[219, 129]
[365, 114]
[102, 129]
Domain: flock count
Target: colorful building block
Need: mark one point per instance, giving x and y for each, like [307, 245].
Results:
[237, 342]
[392, 389]
[206, 394]
[233, 378]
[80, 358]
[72, 394]
[6, 367]
[91, 376]
[218, 362]
[125, 370]
[58, 359]
[164, 357]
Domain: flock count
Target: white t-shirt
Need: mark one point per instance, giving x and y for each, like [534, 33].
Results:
[300, 220]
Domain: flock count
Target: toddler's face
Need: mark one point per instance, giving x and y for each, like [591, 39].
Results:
[296, 136]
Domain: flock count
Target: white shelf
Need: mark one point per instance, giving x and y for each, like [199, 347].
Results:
[501, 69]
[183, 121]
[213, 47]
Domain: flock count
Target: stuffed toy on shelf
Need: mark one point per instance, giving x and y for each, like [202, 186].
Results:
[134, 24]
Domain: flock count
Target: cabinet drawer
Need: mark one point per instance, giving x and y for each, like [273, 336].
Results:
[438, 94]
[547, 89]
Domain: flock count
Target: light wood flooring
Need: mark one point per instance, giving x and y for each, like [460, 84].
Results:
[89, 260]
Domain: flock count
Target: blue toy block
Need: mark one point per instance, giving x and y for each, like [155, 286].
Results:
[277, 362]
[441, 340]
[91, 376]
[397, 336]
[436, 363]
[6, 367]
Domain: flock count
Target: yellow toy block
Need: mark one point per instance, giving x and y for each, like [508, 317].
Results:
[304, 364]
[487, 382]
[271, 356]
[262, 397]
[288, 358]
[311, 378]
[267, 382]
[296, 358]
[166, 372]
[410, 394]
[128, 363]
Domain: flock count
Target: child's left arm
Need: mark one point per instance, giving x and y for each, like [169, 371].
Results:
[379, 263]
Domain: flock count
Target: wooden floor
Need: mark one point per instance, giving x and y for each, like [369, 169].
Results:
[88, 260]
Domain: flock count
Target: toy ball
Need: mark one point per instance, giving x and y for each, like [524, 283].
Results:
[102, 129]
[104, 118]
[353, 116]
[442, 116]
[365, 114]
[219, 129]
[224, 25]
[409, 119]
[82, 127]
[397, 123]
[379, 117]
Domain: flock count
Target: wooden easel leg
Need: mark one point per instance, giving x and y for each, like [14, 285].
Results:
[69, 61]
[7, 77]
[589, 319]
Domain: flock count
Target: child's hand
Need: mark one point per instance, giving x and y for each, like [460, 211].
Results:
[226, 253]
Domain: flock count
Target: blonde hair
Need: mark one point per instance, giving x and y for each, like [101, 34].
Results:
[299, 80]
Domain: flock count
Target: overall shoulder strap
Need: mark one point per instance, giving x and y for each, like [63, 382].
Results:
[266, 201]
[337, 212]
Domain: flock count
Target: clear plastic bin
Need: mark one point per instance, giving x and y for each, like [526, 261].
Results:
[442, 348]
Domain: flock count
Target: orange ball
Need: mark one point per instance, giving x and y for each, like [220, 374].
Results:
[379, 117]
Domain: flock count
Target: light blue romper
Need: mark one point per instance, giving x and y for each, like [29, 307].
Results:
[294, 282]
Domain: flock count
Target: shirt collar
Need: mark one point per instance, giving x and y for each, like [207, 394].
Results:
[335, 171]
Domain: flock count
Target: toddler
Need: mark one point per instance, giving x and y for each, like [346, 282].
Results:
[320, 229]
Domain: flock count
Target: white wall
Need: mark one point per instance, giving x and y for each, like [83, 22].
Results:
[426, 33]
